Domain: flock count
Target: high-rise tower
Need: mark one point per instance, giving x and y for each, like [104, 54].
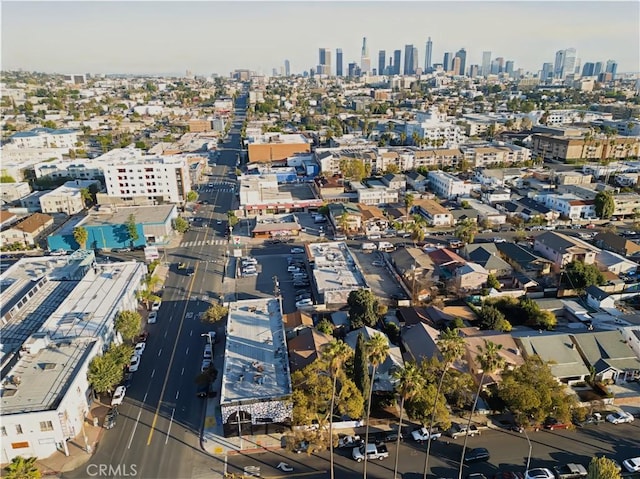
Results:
[287, 68]
[365, 61]
[462, 55]
[339, 62]
[486, 63]
[397, 55]
[427, 55]
[382, 58]
[408, 60]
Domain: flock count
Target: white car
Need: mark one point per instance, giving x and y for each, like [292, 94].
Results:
[156, 305]
[619, 417]
[632, 464]
[134, 363]
[153, 317]
[139, 349]
[249, 261]
[118, 396]
[304, 303]
[539, 473]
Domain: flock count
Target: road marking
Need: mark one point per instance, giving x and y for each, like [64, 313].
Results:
[191, 333]
[297, 474]
[187, 353]
[134, 429]
[182, 372]
[145, 396]
[153, 373]
[170, 423]
[173, 353]
[177, 394]
[165, 333]
[160, 352]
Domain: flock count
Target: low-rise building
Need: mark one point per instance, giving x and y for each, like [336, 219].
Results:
[487, 213]
[447, 186]
[375, 192]
[616, 243]
[13, 192]
[417, 181]
[259, 194]
[45, 138]
[27, 230]
[276, 146]
[433, 212]
[559, 352]
[563, 249]
[68, 198]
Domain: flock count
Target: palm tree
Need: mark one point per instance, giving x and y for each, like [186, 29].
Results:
[408, 202]
[490, 360]
[410, 382]
[22, 468]
[336, 353]
[451, 347]
[377, 349]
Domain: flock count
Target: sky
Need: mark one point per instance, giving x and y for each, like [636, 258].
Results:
[205, 37]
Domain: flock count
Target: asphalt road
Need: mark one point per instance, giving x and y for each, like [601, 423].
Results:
[159, 425]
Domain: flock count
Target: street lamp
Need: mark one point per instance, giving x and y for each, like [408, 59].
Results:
[529, 456]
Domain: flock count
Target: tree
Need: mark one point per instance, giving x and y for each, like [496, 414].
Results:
[492, 282]
[87, 197]
[192, 196]
[335, 353]
[232, 218]
[22, 468]
[581, 275]
[7, 179]
[409, 383]
[605, 204]
[492, 318]
[180, 224]
[132, 228]
[362, 308]
[603, 468]
[325, 326]
[343, 222]
[215, 313]
[361, 366]
[353, 168]
[490, 360]
[128, 324]
[451, 347]
[377, 349]
[147, 296]
[104, 373]
[409, 199]
[81, 236]
[466, 230]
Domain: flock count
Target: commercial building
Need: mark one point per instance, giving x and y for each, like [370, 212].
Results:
[255, 396]
[375, 192]
[448, 186]
[57, 315]
[260, 194]
[276, 146]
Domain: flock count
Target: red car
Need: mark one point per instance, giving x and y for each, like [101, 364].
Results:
[552, 423]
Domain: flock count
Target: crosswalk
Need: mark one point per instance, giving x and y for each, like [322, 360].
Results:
[219, 190]
[189, 244]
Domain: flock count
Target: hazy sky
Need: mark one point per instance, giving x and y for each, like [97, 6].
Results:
[217, 37]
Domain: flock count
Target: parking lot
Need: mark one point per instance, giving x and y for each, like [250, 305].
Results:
[380, 279]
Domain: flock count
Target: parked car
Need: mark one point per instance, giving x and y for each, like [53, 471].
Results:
[206, 364]
[477, 454]
[156, 305]
[153, 317]
[570, 471]
[374, 451]
[249, 261]
[350, 441]
[619, 417]
[590, 420]
[139, 348]
[297, 250]
[122, 250]
[305, 303]
[303, 296]
[539, 473]
[208, 351]
[134, 363]
[423, 435]
[110, 419]
[118, 396]
[293, 269]
[203, 390]
[142, 337]
[189, 271]
[508, 475]
[632, 464]
[552, 423]
[387, 436]
[460, 430]
[126, 379]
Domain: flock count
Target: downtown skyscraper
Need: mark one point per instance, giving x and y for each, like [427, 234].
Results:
[397, 55]
[365, 61]
[408, 60]
[287, 68]
[382, 58]
[339, 60]
[324, 62]
[428, 51]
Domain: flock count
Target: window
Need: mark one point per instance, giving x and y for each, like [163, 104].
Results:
[18, 429]
[46, 426]
[3, 430]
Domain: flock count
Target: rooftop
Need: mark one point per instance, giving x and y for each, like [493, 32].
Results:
[256, 366]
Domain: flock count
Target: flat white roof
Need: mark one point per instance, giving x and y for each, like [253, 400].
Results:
[256, 363]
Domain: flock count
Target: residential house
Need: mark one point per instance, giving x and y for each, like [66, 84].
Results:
[465, 214]
[495, 195]
[470, 277]
[447, 262]
[296, 322]
[7, 218]
[433, 212]
[417, 181]
[487, 214]
[420, 342]
[27, 230]
[416, 270]
[560, 352]
[608, 355]
[527, 209]
[523, 260]
[409, 315]
[615, 263]
[563, 249]
[395, 181]
[598, 298]
[384, 380]
[331, 189]
[373, 219]
[306, 347]
[351, 214]
[487, 256]
[616, 243]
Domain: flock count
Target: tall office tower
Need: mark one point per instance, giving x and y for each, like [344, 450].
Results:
[508, 68]
[287, 68]
[274, 72]
[427, 55]
[612, 67]
[339, 62]
[397, 54]
[587, 69]
[457, 64]
[382, 58]
[598, 68]
[365, 61]
[495, 67]
[390, 68]
[557, 66]
[408, 59]
[474, 71]
[547, 72]
[354, 70]
[415, 64]
[324, 64]
[462, 55]
[486, 63]
[576, 70]
[569, 63]
[447, 61]
[500, 62]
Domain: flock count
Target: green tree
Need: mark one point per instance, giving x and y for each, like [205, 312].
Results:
[362, 308]
[81, 236]
[603, 468]
[605, 204]
[232, 218]
[361, 366]
[22, 468]
[451, 347]
[128, 324]
[335, 353]
[192, 196]
[147, 296]
[466, 230]
[343, 222]
[7, 179]
[121, 353]
[325, 326]
[581, 275]
[492, 318]
[216, 312]
[408, 385]
[353, 168]
[180, 224]
[104, 373]
[87, 196]
[489, 360]
[377, 349]
[409, 199]
[492, 282]
[132, 228]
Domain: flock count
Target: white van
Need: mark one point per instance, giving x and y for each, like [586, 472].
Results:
[368, 247]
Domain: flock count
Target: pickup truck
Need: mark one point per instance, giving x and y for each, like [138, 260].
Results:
[570, 471]
[460, 430]
[374, 451]
[422, 435]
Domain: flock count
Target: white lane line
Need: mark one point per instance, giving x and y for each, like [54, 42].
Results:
[170, 423]
[165, 333]
[182, 372]
[160, 352]
[177, 394]
[191, 333]
[134, 429]
[145, 394]
[187, 352]
[153, 373]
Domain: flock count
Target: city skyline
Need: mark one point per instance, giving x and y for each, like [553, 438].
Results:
[218, 37]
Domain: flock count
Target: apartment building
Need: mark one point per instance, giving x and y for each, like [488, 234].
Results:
[26, 231]
[435, 130]
[433, 212]
[45, 138]
[491, 154]
[563, 249]
[67, 198]
[374, 192]
[448, 186]
[626, 204]
[568, 205]
[553, 147]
